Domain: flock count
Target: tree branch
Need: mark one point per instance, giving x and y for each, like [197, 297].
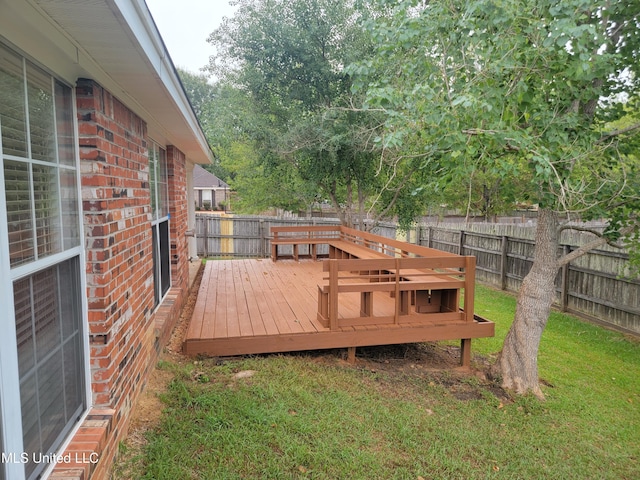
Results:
[598, 242]
[479, 131]
[578, 228]
[615, 133]
[394, 199]
[568, 258]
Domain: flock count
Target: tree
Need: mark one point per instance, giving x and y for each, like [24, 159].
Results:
[201, 95]
[287, 59]
[259, 183]
[204, 98]
[519, 87]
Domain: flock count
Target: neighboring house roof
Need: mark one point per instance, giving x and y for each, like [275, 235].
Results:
[204, 179]
[117, 44]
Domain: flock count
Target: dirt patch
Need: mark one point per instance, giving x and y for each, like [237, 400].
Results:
[413, 355]
[430, 356]
[399, 366]
[149, 407]
[435, 364]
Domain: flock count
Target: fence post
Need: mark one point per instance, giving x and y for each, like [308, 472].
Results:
[263, 241]
[564, 286]
[430, 241]
[461, 245]
[503, 262]
[205, 221]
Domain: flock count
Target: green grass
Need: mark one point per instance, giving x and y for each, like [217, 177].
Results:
[315, 417]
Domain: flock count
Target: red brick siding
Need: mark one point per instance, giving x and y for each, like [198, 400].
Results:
[177, 172]
[125, 331]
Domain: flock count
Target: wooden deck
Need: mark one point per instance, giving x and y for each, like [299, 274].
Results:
[259, 306]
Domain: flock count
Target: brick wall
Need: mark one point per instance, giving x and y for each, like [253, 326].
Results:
[125, 333]
[177, 172]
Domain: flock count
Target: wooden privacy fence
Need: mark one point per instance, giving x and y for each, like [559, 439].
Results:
[248, 236]
[595, 285]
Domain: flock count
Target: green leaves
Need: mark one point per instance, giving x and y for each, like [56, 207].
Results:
[455, 101]
[286, 60]
[506, 86]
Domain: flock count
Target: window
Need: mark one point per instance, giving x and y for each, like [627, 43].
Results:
[49, 337]
[158, 183]
[41, 239]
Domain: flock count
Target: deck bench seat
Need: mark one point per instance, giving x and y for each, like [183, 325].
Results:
[293, 236]
[425, 291]
[295, 243]
[347, 249]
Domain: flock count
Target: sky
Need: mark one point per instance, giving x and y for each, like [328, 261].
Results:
[185, 26]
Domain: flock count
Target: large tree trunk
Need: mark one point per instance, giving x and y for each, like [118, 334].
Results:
[342, 213]
[518, 362]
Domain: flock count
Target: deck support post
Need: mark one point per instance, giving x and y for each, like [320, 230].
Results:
[323, 305]
[351, 355]
[405, 300]
[465, 352]
[274, 247]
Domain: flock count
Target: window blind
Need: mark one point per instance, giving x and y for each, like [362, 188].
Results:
[41, 114]
[49, 337]
[12, 104]
[17, 184]
[39, 153]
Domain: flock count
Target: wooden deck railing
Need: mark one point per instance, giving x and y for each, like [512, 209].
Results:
[424, 284]
[389, 246]
[423, 290]
[332, 234]
[431, 278]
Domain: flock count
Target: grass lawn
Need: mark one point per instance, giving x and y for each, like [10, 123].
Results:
[393, 416]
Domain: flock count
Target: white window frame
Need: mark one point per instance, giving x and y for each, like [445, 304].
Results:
[10, 401]
[157, 220]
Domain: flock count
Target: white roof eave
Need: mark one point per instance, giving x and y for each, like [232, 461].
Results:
[138, 18]
[118, 45]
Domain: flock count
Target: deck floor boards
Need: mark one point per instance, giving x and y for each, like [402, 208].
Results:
[242, 306]
[258, 291]
[254, 306]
